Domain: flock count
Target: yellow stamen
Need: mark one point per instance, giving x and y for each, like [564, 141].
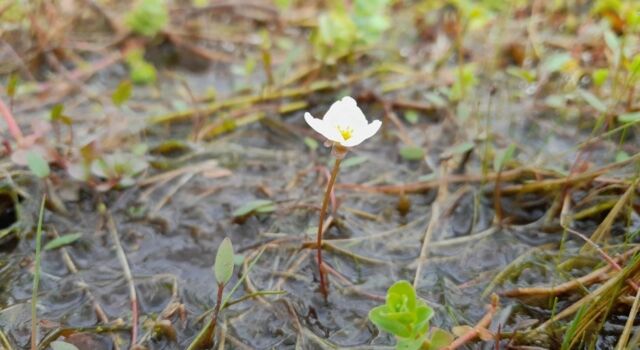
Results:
[346, 132]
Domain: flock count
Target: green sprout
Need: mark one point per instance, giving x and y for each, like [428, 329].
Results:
[407, 317]
[148, 17]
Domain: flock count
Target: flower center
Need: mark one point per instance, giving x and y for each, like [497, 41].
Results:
[345, 132]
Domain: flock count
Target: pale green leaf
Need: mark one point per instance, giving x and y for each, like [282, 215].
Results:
[311, 143]
[632, 117]
[12, 84]
[122, 93]
[411, 116]
[223, 267]
[252, 206]
[503, 158]
[354, 161]
[593, 100]
[38, 166]
[412, 153]
[62, 241]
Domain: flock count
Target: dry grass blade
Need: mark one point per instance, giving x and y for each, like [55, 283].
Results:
[605, 227]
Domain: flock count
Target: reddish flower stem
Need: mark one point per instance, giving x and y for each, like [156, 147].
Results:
[339, 152]
[14, 129]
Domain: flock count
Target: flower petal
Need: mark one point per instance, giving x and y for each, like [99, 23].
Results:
[323, 128]
[346, 113]
[362, 134]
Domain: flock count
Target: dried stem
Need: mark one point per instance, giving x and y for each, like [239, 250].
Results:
[479, 327]
[128, 277]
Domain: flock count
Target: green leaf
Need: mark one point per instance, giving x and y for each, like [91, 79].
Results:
[612, 41]
[412, 153]
[440, 339]
[569, 335]
[311, 143]
[12, 84]
[122, 93]
[411, 116]
[634, 68]
[599, 76]
[57, 115]
[56, 111]
[632, 117]
[141, 71]
[409, 344]
[593, 100]
[378, 316]
[354, 161]
[402, 290]
[505, 156]
[61, 345]
[62, 241]
[253, 206]
[38, 166]
[556, 62]
[621, 156]
[462, 148]
[148, 17]
[223, 267]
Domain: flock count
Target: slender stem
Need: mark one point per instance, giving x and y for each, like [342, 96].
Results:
[122, 257]
[36, 279]
[323, 212]
[204, 339]
[14, 129]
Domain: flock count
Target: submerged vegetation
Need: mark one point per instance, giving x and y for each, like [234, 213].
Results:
[496, 206]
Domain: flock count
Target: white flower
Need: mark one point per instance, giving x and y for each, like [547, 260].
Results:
[344, 123]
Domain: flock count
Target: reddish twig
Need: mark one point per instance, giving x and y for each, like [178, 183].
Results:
[605, 256]
[323, 212]
[14, 129]
[478, 328]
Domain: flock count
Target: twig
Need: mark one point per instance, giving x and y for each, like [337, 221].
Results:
[127, 275]
[606, 256]
[433, 221]
[481, 325]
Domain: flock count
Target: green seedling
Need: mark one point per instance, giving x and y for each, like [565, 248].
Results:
[148, 17]
[119, 170]
[341, 31]
[407, 318]
[141, 71]
[223, 270]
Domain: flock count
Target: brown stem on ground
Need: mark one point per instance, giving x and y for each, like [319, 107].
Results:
[497, 206]
[478, 328]
[339, 152]
[214, 318]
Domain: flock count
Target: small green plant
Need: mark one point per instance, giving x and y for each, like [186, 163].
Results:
[148, 17]
[407, 317]
[119, 170]
[141, 71]
[341, 31]
[223, 270]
